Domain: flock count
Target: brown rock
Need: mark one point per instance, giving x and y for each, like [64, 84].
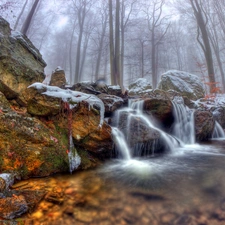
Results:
[13, 207]
[29, 147]
[87, 132]
[58, 78]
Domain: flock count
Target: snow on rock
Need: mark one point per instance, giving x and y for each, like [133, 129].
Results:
[26, 43]
[186, 84]
[140, 86]
[72, 97]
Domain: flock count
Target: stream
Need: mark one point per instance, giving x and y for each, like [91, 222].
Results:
[181, 188]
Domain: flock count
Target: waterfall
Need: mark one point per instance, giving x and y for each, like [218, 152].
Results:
[124, 138]
[218, 131]
[121, 144]
[183, 127]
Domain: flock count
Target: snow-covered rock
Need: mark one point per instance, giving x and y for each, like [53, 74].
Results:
[188, 85]
[111, 102]
[139, 87]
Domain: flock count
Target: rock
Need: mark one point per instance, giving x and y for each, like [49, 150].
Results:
[13, 207]
[204, 125]
[29, 148]
[21, 64]
[8, 178]
[188, 85]
[2, 185]
[4, 103]
[219, 115]
[139, 87]
[115, 90]
[86, 87]
[158, 104]
[160, 109]
[39, 104]
[137, 132]
[111, 102]
[58, 78]
[86, 131]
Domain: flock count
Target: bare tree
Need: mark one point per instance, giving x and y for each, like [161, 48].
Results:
[204, 42]
[28, 20]
[21, 13]
[158, 27]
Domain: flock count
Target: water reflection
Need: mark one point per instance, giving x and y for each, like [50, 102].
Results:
[185, 188]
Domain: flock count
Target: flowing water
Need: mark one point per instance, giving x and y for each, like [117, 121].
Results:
[185, 187]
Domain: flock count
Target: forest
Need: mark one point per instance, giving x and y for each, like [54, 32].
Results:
[122, 40]
[112, 112]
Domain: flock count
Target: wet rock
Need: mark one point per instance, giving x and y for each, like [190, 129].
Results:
[161, 109]
[16, 72]
[13, 207]
[111, 102]
[58, 78]
[204, 125]
[188, 85]
[139, 87]
[138, 131]
[219, 115]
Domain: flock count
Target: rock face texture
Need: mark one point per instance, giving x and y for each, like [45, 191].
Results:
[204, 125]
[30, 148]
[139, 87]
[21, 64]
[188, 85]
[58, 78]
[111, 102]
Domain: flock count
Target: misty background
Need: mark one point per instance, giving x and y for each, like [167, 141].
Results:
[122, 40]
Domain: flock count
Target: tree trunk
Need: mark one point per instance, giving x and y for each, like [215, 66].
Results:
[117, 43]
[28, 20]
[206, 44]
[100, 49]
[111, 42]
[21, 13]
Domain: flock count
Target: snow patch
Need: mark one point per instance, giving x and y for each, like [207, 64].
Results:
[72, 97]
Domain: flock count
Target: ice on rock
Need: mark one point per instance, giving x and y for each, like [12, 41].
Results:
[72, 97]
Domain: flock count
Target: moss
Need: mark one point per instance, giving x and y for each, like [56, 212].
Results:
[87, 160]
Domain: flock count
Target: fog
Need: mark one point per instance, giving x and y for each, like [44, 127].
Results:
[138, 38]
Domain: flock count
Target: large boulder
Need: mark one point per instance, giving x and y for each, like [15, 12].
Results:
[139, 87]
[157, 103]
[21, 64]
[188, 85]
[137, 132]
[204, 125]
[30, 148]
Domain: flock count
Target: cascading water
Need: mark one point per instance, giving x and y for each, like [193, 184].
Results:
[183, 127]
[218, 131]
[133, 120]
